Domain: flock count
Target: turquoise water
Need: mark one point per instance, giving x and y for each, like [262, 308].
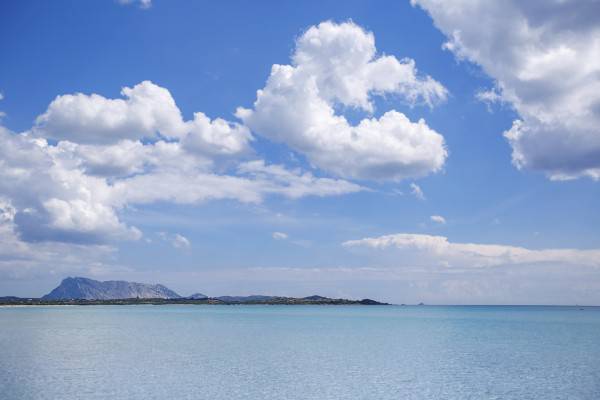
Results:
[299, 352]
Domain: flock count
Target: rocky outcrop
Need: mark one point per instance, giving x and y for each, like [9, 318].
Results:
[89, 289]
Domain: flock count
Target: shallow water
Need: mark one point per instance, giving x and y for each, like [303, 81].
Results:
[299, 352]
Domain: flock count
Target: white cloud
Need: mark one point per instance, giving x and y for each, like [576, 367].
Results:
[279, 236]
[216, 137]
[143, 4]
[254, 181]
[489, 97]
[176, 240]
[438, 218]
[438, 250]
[74, 193]
[53, 200]
[181, 242]
[24, 260]
[110, 154]
[544, 58]
[121, 159]
[148, 111]
[417, 191]
[336, 66]
[294, 183]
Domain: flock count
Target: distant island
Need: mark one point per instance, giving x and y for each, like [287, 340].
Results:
[84, 291]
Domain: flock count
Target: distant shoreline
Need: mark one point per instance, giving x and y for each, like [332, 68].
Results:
[24, 302]
[36, 302]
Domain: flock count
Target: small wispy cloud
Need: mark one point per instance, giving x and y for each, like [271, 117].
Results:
[176, 240]
[280, 235]
[438, 219]
[489, 97]
[417, 191]
[180, 242]
[143, 4]
[439, 250]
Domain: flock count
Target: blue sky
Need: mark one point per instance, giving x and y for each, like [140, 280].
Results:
[539, 208]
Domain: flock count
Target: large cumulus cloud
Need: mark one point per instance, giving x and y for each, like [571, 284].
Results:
[88, 158]
[544, 58]
[336, 66]
[68, 180]
[148, 111]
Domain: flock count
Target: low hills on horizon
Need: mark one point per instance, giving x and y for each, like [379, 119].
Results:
[79, 290]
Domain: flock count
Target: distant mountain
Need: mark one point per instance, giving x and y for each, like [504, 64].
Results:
[197, 296]
[89, 289]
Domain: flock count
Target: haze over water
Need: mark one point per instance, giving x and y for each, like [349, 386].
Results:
[299, 352]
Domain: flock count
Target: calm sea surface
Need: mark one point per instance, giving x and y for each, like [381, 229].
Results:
[299, 352]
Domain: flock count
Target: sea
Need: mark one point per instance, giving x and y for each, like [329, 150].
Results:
[299, 352]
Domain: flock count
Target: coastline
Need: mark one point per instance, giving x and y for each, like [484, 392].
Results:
[208, 301]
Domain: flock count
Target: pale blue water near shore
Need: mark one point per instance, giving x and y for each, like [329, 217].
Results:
[299, 352]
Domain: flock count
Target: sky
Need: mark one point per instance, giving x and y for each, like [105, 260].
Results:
[445, 152]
